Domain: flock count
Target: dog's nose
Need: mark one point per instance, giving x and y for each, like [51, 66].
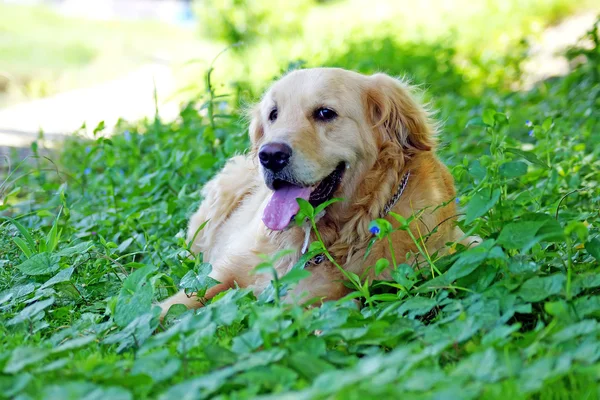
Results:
[275, 156]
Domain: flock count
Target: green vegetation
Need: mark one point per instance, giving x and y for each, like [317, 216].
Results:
[90, 238]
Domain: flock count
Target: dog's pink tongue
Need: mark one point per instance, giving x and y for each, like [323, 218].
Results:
[283, 206]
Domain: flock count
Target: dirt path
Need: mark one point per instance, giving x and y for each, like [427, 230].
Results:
[130, 97]
[546, 58]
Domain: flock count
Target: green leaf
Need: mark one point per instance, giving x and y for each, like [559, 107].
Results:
[198, 281]
[85, 391]
[16, 292]
[124, 245]
[488, 116]
[53, 235]
[475, 122]
[322, 206]
[547, 124]
[31, 311]
[500, 118]
[135, 297]
[316, 247]
[21, 357]
[207, 161]
[584, 327]
[247, 342]
[74, 343]
[592, 246]
[416, 306]
[513, 169]
[518, 234]
[578, 228]
[219, 356]
[79, 248]
[136, 332]
[381, 265]
[472, 258]
[62, 276]
[23, 231]
[477, 170]
[5, 297]
[481, 203]
[587, 306]
[404, 275]
[403, 221]
[294, 276]
[23, 246]
[499, 334]
[540, 288]
[39, 264]
[529, 156]
[11, 386]
[308, 365]
[306, 208]
[200, 387]
[159, 365]
[99, 128]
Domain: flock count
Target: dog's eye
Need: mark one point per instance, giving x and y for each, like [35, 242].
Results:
[273, 115]
[325, 114]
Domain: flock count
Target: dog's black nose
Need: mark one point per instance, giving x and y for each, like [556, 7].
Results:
[275, 156]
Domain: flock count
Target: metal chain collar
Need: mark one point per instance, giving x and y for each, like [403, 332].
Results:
[318, 259]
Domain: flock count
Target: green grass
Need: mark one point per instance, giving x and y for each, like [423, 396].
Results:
[91, 237]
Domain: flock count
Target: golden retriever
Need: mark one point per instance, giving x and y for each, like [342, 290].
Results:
[316, 134]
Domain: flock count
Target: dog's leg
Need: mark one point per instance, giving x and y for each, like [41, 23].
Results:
[468, 241]
[192, 301]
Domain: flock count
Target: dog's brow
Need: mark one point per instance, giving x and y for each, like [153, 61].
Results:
[326, 103]
[271, 104]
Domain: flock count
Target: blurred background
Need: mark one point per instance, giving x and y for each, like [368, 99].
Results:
[68, 65]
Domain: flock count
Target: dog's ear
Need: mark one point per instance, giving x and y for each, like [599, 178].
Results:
[256, 129]
[397, 115]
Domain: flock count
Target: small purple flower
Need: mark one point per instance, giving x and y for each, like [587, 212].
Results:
[374, 230]
[528, 123]
[94, 233]
[457, 200]
[87, 171]
[530, 133]
[88, 149]
[127, 135]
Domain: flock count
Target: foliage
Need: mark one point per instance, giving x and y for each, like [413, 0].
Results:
[389, 35]
[233, 21]
[91, 239]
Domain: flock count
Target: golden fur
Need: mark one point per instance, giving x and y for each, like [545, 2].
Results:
[381, 133]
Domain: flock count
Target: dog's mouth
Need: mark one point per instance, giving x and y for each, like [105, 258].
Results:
[283, 206]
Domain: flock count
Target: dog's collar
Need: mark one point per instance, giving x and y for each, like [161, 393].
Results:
[318, 259]
[390, 204]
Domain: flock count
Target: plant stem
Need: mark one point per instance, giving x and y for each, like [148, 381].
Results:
[424, 253]
[393, 255]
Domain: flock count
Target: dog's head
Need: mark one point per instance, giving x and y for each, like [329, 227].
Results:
[317, 132]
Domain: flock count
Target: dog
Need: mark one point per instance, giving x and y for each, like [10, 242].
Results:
[317, 134]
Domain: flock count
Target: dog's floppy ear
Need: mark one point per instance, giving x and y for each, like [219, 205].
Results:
[397, 115]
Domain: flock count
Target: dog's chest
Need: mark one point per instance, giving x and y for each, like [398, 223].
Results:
[242, 238]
